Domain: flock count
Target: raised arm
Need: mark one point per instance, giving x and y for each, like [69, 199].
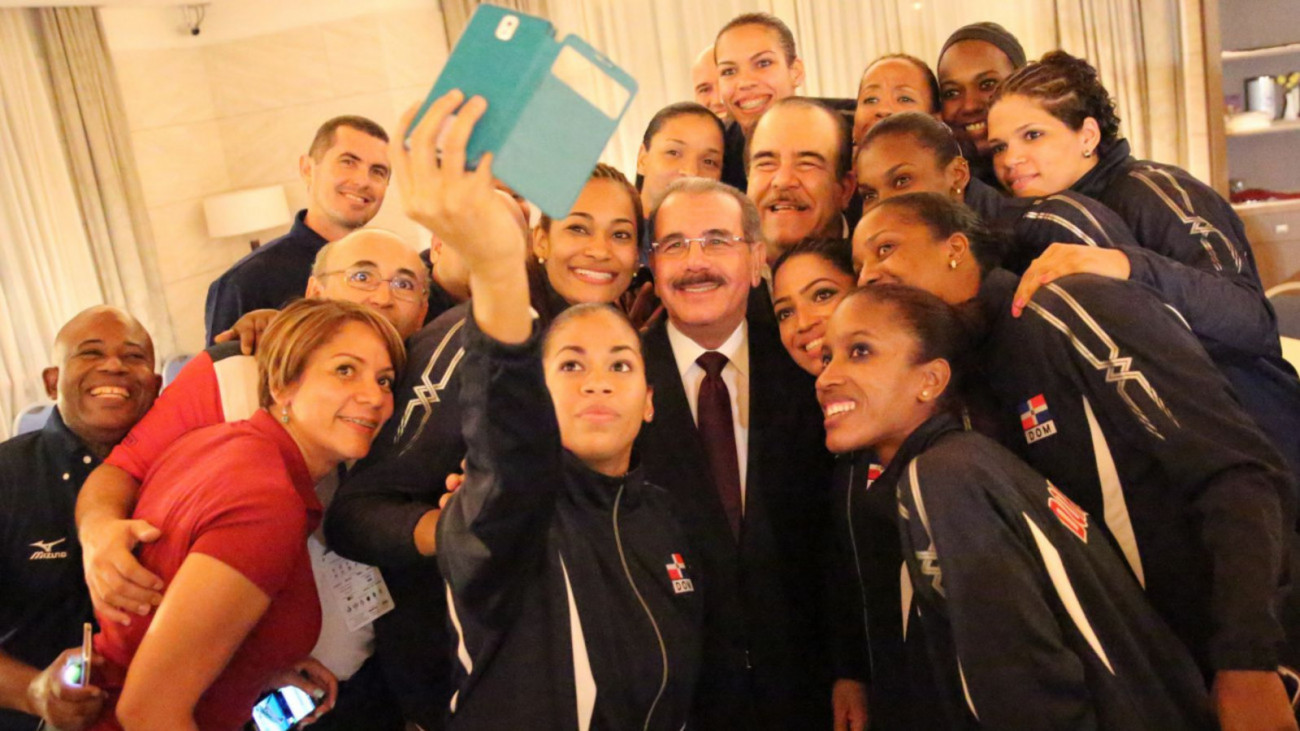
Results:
[462, 208]
[491, 528]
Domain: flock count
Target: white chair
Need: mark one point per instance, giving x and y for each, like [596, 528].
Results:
[172, 367]
[32, 418]
[1285, 298]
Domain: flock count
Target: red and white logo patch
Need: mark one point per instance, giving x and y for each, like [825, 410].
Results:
[1071, 516]
[677, 574]
[1036, 419]
[873, 473]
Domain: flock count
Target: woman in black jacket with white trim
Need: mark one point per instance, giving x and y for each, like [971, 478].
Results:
[1103, 390]
[1053, 127]
[1016, 612]
[570, 586]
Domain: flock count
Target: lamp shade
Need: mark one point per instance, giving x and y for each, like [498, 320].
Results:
[246, 211]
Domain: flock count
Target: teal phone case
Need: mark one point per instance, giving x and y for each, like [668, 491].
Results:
[546, 131]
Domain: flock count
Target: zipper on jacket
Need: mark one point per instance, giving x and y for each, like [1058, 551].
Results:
[857, 564]
[663, 650]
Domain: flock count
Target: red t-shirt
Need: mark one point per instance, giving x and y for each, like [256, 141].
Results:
[240, 493]
[204, 393]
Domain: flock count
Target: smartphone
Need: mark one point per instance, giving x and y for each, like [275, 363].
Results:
[76, 671]
[282, 709]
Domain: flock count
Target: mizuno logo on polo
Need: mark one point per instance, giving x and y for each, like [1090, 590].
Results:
[45, 550]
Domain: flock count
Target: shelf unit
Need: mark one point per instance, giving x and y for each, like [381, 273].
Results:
[1264, 52]
[1278, 125]
[1239, 46]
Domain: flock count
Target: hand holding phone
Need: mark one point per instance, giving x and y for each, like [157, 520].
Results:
[63, 704]
[76, 669]
[283, 709]
[302, 694]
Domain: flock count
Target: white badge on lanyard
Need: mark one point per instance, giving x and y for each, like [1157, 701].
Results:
[358, 589]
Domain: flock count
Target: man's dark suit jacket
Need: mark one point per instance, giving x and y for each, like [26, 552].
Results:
[765, 656]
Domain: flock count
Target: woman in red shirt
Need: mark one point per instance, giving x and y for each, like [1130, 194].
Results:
[235, 503]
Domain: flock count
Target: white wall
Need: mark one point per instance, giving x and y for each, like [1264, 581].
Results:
[235, 106]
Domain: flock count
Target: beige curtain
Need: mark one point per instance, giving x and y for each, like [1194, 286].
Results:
[456, 13]
[47, 273]
[1149, 55]
[98, 144]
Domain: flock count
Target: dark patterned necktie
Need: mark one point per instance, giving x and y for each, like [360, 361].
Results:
[719, 435]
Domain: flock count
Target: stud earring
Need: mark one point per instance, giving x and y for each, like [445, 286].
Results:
[284, 414]
[952, 263]
[925, 394]
[957, 191]
[1087, 153]
[541, 260]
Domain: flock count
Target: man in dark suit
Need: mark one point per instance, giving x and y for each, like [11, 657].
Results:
[737, 439]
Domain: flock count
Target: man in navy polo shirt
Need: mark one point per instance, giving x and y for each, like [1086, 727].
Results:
[103, 383]
[346, 173]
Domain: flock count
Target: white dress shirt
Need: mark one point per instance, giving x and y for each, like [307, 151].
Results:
[735, 375]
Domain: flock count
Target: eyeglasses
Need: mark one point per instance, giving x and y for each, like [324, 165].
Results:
[676, 247]
[403, 286]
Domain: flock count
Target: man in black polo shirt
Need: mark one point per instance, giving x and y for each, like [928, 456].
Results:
[346, 173]
[103, 383]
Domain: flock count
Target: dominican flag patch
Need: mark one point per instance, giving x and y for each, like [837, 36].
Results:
[677, 574]
[1036, 419]
[873, 473]
[1071, 516]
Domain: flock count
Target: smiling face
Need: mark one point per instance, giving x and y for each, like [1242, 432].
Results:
[889, 246]
[888, 87]
[872, 393]
[596, 376]
[805, 291]
[969, 73]
[105, 379]
[341, 399]
[896, 164]
[793, 157]
[705, 295]
[591, 254]
[753, 72]
[688, 145]
[347, 184]
[1036, 154]
[704, 84]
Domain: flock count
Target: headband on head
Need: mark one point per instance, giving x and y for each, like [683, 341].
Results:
[989, 33]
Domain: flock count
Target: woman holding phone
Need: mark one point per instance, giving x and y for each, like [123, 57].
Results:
[235, 503]
[570, 584]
